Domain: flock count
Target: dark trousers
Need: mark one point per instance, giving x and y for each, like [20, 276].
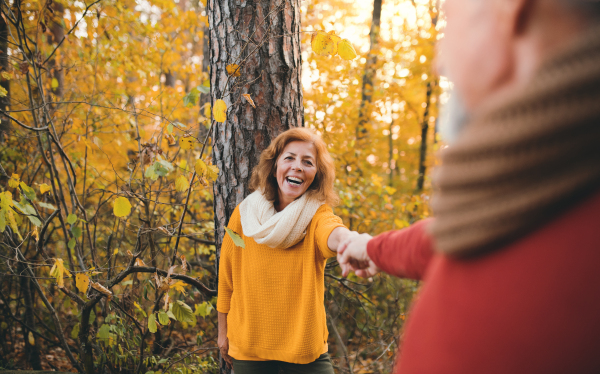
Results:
[321, 365]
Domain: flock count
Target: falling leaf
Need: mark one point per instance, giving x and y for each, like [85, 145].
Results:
[44, 188]
[249, 99]
[179, 286]
[322, 44]
[233, 70]
[220, 111]
[212, 172]
[82, 281]
[30, 338]
[237, 239]
[59, 271]
[14, 180]
[152, 327]
[139, 262]
[181, 184]
[122, 207]
[346, 50]
[186, 142]
[200, 167]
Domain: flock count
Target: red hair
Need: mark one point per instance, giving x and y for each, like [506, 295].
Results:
[263, 176]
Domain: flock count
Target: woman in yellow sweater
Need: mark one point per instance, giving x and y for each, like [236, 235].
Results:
[270, 304]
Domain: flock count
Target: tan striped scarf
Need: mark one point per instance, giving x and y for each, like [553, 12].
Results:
[521, 163]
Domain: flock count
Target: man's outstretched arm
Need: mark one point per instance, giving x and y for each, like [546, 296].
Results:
[403, 253]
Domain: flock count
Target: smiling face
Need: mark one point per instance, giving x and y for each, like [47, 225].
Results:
[296, 170]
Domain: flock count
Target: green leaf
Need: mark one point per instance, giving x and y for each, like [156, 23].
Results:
[203, 309]
[71, 243]
[170, 128]
[237, 239]
[2, 221]
[152, 323]
[104, 333]
[92, 317]
[29, 192]
[29, 211]
[163, 167]
[71, 218]
[204, 89]
[76, 231]
[180, 125]
[183, 312]
[47, 206]
[163, 318]
[75, 331]
[3, 92]
[191, 98]
[127, 282]
[151, 173]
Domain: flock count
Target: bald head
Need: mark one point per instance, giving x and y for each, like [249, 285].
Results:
[494, 46]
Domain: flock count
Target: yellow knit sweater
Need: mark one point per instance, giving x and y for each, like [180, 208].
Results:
[274, 297]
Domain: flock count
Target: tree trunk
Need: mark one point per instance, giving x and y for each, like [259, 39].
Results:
[4, 101]
[57, 33]
[32, 353]
[370, 69]
[424, 132]
[270, 66]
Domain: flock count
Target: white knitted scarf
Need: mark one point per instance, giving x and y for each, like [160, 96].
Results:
[265, 225]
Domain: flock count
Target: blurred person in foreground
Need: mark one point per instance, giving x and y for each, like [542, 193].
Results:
[511, 258]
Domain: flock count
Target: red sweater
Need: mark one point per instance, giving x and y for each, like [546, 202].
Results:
[531, 307]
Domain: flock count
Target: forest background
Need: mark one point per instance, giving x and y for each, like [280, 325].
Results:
[113, 160]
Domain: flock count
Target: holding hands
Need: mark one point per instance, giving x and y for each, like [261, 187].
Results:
[352, 256]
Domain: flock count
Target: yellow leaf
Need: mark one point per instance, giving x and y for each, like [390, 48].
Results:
[3, 92]
[186, 142]
[220, 111]
[14, 181]
[213, 172]
[200, 168]
[58, 271]
[249, 100]
[207, 111]
[346, 50]
[122, 207]
[181, 184]
[179, 286]
[44, 188]
[237, 239]
[335, 39]
[35, 234]
[54, 83]
[82, 282]
[322, 44]
[233, 70]
[31, 339]
[116, 251]
[6, 75]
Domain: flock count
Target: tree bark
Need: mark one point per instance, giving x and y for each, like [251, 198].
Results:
[424, 132]
[270, 66]
[370, 69]
[4, 101]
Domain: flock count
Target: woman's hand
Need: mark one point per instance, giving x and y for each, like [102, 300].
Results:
[352, 256]
[338, 236]
[223, 341]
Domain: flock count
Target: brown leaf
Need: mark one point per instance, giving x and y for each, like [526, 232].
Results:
[233, 70]
[103, 290]
[249, 99]
[184, 265]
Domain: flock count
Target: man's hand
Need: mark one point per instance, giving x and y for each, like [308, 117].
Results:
[352, 256]
[223, 341]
